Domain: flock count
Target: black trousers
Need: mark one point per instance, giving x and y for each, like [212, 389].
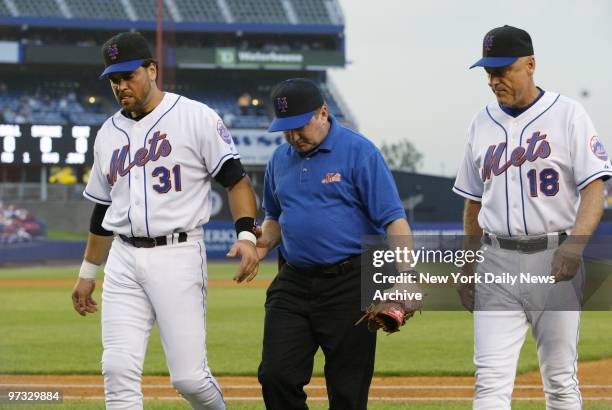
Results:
[304, 313]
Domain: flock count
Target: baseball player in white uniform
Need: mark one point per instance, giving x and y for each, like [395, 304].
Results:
[532, 176]
[151, 181]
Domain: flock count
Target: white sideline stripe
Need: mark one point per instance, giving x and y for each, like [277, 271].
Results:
[402, 399]
[255, 386]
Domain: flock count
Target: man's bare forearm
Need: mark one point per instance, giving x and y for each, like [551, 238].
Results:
[472, 231]
[471, 210]
[588, 216]
[399, 235]
[242, 199]
[270, 233]
[97, 248]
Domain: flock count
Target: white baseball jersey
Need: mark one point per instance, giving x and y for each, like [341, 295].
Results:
[155, 173]
[527, 171]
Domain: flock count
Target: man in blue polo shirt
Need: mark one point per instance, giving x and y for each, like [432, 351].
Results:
[323, 191]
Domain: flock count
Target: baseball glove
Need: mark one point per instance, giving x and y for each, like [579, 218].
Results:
[386, 316]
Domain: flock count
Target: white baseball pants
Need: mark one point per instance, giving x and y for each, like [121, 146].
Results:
[502, 317]
[167, 284]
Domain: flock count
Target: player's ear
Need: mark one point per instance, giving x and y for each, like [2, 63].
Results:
[324, 112]
[152, 72]
[531, 65]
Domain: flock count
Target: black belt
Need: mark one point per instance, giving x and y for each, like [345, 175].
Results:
[144, 242]
[524, 245]
[347, 265]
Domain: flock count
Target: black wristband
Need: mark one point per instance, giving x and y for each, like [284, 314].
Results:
[245, 224]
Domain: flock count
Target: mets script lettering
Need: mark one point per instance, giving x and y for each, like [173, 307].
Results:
[159, 147]
[492, 161]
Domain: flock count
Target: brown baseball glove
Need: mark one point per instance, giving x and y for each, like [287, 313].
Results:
[388, 316]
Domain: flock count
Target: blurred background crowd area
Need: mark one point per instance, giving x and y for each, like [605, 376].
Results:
[18, 225]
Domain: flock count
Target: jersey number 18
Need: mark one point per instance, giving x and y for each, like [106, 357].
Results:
[549, 182]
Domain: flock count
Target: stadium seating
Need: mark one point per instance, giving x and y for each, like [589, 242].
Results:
[241, 11]
[261, 11]
[63, 110]
[147, 9]
[203, 10]
[4, 11]
[311, 11]
[87, 9]
[38, 8]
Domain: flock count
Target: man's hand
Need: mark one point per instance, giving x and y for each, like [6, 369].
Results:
[467, 295]
[82, 301]
[566, 262]
[467, 290]
[249, 260]
[263, 245]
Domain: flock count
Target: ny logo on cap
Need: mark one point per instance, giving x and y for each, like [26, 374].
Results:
[113, 51]
[487, 43]
[282, 104]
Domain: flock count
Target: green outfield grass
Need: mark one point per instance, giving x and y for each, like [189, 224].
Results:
[41, 334]
[56, 234]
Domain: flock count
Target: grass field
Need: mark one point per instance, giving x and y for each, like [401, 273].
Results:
[41, 334]
[55, 234]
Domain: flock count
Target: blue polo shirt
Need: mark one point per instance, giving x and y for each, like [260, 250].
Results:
[326, 200]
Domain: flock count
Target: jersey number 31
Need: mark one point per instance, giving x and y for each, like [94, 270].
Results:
[165, 181]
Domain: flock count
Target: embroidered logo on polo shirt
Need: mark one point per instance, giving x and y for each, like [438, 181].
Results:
[331, 177]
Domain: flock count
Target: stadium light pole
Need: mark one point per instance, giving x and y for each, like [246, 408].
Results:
[159, 46]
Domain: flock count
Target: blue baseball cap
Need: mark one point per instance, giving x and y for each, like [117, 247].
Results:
[502, 46]
[295, 101]
[124, 52]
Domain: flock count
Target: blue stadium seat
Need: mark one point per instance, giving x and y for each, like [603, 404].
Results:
[4, 11]
[147, 10]
[260, 11]
[52, 118]
[87, 9]
[201, 10]
[311, 11]
[241, 11]
[38, 8]
[87, 118]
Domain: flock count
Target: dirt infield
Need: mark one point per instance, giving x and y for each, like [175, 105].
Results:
[593, 378]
